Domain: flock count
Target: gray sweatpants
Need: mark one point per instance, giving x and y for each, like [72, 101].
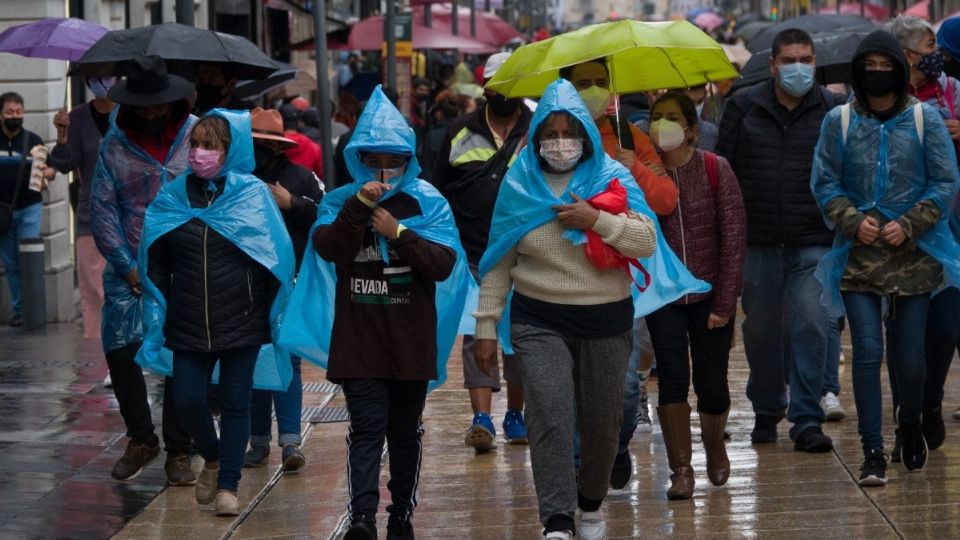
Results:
[560, 373]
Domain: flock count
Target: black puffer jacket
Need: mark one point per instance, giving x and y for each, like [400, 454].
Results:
[218, 297]
[771, 152]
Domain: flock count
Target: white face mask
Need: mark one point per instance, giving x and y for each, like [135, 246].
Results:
[386, 176]
[596, 99]
[667, 134]
[561, 154]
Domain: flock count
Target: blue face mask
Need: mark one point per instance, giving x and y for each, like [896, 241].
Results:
[101, 86]
[796, 79]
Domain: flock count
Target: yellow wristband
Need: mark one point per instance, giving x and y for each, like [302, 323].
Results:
[400, 229]
[364, 200]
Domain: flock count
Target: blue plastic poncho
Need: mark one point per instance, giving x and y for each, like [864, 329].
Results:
[525, 203]
[308, 321]
[885, 166]
[126, 179]
[246, 215]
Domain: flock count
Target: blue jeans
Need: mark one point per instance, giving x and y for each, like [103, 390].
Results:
[905, 322]
[289, 406]
[787, 333]
[191, 375]
[831, 371]
[26, 224]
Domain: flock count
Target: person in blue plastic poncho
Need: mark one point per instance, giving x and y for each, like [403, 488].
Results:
[218, 265]
[145, 148]
[885, 176]
[929, 84]
[569, 322]
[378, 302]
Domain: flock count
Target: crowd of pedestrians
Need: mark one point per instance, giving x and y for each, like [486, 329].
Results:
[575, 246]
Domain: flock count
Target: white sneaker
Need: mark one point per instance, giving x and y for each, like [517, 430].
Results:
[560, 535]
[644, 424]
[830, 404]
[592, 525]
[107, 382]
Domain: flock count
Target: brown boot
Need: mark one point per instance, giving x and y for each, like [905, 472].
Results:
[711, 433]
[675, 423]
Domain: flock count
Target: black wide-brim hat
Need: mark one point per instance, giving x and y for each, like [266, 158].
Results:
[148, 83]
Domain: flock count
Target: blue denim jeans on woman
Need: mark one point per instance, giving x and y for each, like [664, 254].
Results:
[906, 321]
[288, 405]
[787, 333]
[191, 372]
[26, 224]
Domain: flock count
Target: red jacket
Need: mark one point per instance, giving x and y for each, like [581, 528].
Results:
[307, 154]
[711, 237]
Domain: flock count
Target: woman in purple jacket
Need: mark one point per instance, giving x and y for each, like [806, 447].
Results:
[708, 231]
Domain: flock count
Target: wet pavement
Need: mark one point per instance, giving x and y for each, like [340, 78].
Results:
[60, 433]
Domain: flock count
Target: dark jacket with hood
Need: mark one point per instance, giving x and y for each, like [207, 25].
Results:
[305, 194]
[771, 151]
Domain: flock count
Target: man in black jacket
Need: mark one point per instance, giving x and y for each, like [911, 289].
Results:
[473, 158]
[768, 133]
[297, 192]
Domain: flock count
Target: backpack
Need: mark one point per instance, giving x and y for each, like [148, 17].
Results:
[713, 176]
[845, 120]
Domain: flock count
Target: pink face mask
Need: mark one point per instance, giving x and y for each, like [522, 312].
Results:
[205, 163]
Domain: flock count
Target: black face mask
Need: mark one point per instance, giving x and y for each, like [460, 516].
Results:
[153, 126]
[13, 124]
[879, 83]
[208, 97]
[501, 106]
[264, 156]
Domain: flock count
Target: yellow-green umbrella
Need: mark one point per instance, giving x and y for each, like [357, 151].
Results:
[641, 56]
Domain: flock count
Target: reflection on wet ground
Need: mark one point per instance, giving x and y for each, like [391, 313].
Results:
[60, 433]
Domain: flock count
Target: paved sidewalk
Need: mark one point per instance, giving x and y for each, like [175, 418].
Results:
[60, 433]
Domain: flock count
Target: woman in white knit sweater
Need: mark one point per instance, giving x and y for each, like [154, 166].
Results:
[570, 322]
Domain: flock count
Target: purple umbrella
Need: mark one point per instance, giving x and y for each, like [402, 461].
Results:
[54, 38]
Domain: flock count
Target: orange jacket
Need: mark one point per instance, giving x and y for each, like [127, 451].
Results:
[660, 191]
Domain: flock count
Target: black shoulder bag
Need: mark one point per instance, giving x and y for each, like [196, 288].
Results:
[7, 208]
[475, 193]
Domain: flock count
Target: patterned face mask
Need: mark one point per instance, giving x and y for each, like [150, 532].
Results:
[561, 154]
[932, 64]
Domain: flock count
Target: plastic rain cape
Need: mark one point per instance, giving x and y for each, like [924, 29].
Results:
[524, 203]
[127, 179]
[861, 171]
[246, 215]
[309, 316]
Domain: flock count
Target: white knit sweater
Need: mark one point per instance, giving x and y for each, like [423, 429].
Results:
[547, 267]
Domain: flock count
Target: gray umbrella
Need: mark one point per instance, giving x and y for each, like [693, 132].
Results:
[180, 46]
[811, 24]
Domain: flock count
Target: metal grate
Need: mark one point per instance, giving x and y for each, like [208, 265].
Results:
[321, 388]
[327, 415]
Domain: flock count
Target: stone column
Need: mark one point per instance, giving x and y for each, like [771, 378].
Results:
[41, 83]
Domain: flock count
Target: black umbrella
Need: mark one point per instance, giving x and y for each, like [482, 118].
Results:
[253, 88]
[834, 52]
[181, 46]
[811, 24]
[750, 30]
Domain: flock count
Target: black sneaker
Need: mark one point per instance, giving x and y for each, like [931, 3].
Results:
[813, 440]
[16, 321]
[137, 456]
[765, 428]
[257, 456]
[914, 451]
[873, 472]
[933, 429]
[399, 528]
[293, 459]
[897, 447]
[179, 470]
[622, 470]
[362, 527]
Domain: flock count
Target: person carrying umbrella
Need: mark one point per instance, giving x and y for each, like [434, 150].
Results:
[632, 148]
[885, 176]
[930, 85]
[145, 148]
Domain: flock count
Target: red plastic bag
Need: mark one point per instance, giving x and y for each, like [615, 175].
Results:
[602, 256]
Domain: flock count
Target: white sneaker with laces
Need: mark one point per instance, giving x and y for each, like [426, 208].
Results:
[592, 525]
[830, 404]
[560, 535]
[644, 424]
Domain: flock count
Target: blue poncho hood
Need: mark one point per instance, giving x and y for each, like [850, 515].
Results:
[885, 166]
[246, 215]
[309, 316]
[525, 202]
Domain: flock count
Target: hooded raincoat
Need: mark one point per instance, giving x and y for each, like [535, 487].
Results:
[885, 168]
[525, 202]
[309, 317]
[126, 180]
[246, 215]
